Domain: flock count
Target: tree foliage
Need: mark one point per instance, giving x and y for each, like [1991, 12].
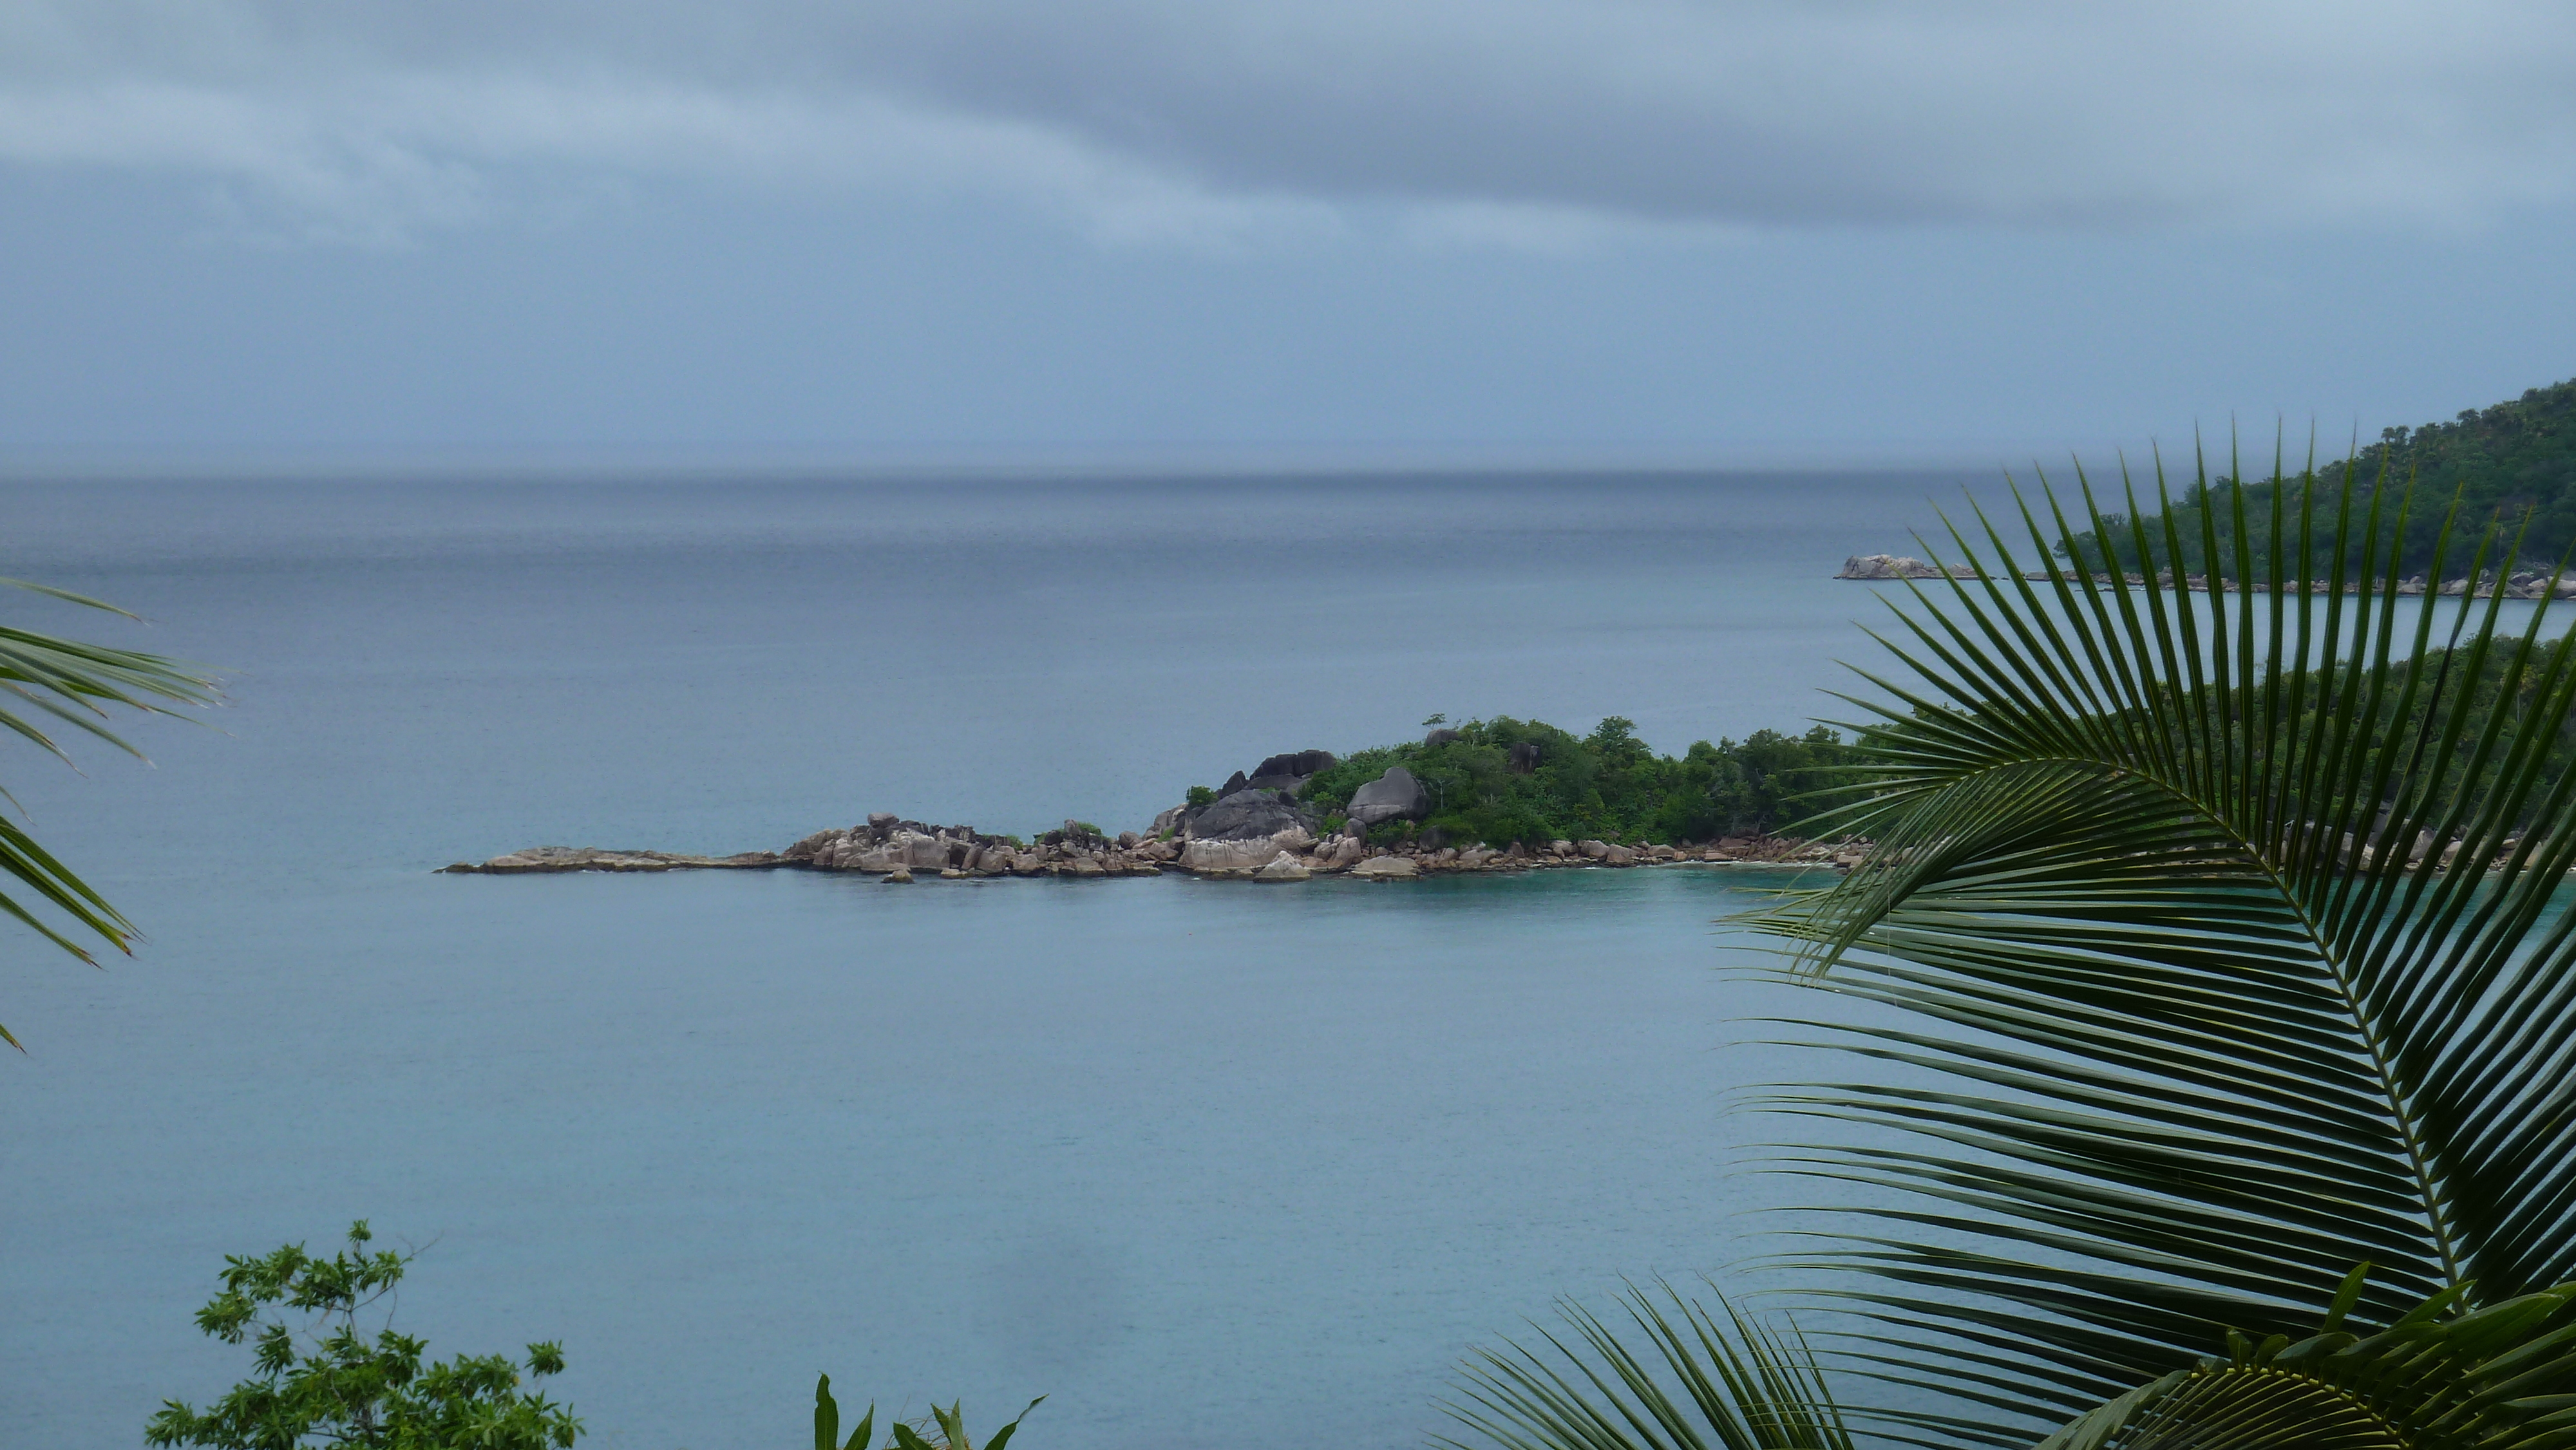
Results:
[322, 1382]
[941, 1429]
[2506, 463]
[1504, 780]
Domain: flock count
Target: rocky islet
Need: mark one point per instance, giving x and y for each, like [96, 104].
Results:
[1256, 830]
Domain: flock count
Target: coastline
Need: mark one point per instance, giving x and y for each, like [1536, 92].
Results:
[2522, 585]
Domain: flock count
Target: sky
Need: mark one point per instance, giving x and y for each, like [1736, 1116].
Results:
[284, 233]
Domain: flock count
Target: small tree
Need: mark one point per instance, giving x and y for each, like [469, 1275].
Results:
[331, 1386]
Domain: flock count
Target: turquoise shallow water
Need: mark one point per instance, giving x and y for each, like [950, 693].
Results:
[1200, 1161]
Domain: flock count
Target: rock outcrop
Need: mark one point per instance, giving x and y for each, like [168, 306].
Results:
[1243, 854]
[1395, 795]
[1289, 771]
[1283, 867]
[1896, 566]
[1246, 815]
[591, 858]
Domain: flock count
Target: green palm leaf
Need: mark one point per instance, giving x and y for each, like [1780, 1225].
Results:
[2496, 1379]
[2178, 1032]
[1705, 1385]
[44, 678]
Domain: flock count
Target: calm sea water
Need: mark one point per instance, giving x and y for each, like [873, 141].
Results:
[1200, 1161]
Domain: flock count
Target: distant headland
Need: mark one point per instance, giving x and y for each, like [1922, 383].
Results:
[1489, 795]
[2521, 584]
[2510, 467]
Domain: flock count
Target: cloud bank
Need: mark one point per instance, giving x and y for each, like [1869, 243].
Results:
[1186, 118]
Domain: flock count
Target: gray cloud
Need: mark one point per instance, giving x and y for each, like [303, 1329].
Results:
[1511, 118]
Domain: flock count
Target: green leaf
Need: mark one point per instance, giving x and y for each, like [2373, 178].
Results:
[2172, 1010]
[2495, 1379]
[71, 682]
[1002, 1436]
[827, 1416]
[1740, 1384]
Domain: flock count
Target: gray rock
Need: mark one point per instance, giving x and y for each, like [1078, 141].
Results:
[1075, 835]
[914, 849]
[1895, 566]
[897, 877]
[1386, 868]
[1440, 736]
[591, 858]
[1244, 815]
[1304, 762]
[1390, 796]
[1290, 770]
[1283, 867]
[819, 844]
[882, 820]
[1524, 758]
[1251, 855]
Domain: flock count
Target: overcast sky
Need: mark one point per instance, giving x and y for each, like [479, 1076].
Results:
[1400, 230]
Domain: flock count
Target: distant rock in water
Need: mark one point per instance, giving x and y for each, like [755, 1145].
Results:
[591, 858]
[1896, 566]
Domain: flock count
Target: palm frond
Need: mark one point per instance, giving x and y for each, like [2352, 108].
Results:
[2200, 992]
[43, 676]
[1733, 1384]
[2500, 1378]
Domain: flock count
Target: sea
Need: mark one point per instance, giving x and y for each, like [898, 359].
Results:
[1199, 1162]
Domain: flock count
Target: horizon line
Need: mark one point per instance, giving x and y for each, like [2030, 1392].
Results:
[965, 462]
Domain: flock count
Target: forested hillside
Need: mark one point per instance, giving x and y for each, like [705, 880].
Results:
[2510, 462]
[1504, 780]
